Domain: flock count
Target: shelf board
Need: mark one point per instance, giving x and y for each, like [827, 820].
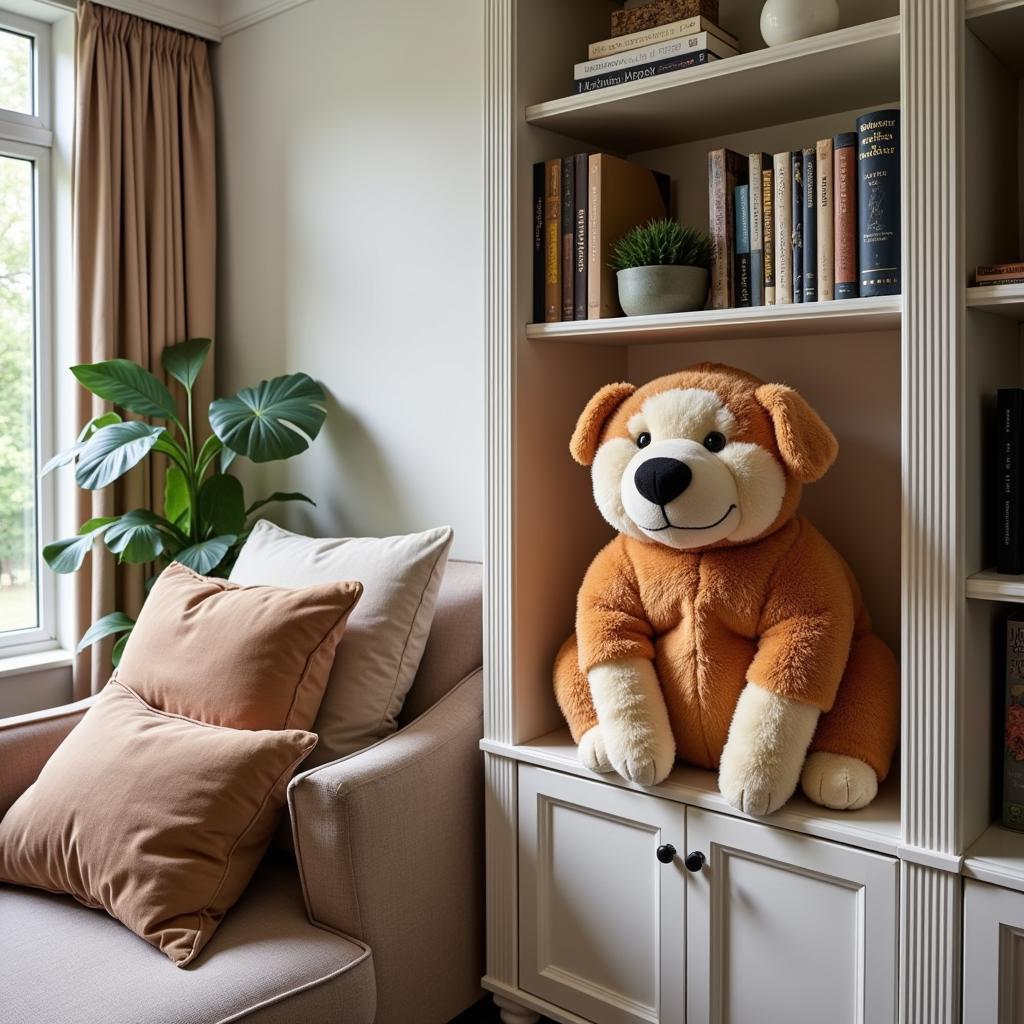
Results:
[845, 316]
[843, 70]
[876, 827]
[997, 857]
[1003, 299]
[990, 585]
[999, 24]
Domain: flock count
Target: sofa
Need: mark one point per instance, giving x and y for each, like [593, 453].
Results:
[377, 917]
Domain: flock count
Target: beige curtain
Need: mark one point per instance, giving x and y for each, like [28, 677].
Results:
[145, 245]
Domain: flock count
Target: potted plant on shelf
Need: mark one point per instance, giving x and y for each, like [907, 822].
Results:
[662, 267]
[206, 518]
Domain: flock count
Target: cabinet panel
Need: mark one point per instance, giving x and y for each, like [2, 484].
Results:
[786, 927]
[993, 954]
[601, 918]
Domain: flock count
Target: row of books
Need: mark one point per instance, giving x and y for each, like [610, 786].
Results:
[811, 224]
[1000, 273]
[582, 205]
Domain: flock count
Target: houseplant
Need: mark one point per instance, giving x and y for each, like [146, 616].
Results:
[662, 267]
[206, 518]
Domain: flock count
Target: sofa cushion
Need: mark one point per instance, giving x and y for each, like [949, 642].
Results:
[242, 657]
[266, 964]
[157, 819]
[377, 661]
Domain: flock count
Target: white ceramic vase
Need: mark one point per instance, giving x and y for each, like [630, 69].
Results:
[782, 21]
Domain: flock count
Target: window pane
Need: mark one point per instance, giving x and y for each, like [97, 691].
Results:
[16, 73]
[19, 602]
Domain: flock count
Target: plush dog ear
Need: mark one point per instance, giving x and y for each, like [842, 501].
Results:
[807, 446]
[585, 437]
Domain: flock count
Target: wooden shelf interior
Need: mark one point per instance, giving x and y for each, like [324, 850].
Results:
[989, 585]
[1002, 299]
[999, 24]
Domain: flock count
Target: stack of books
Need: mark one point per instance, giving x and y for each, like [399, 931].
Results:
[810, 224]
[654, 50]
[582, 205]
[1000, 273]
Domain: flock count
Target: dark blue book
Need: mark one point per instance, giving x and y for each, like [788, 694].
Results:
[641, 71]
[538, 243]
[580, 235]
[1009, 549]
[810, 204]
[796, 177]
[741, 234]
[878, 202]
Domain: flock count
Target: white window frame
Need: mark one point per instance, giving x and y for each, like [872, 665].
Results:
[30, 136]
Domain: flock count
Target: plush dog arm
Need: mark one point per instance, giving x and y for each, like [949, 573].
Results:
[633, 735]
[765, 751]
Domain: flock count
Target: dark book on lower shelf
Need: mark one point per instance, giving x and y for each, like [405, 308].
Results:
[810, 215]
[844, 183]
[726, 170]
[1013, 724]
[796, 178]
[641, 71]
[878, 202]
[768, 221]
[1010, 412]
[553, 241]
[741, 234]
[568, 237]
[538, 242]
[580, 236]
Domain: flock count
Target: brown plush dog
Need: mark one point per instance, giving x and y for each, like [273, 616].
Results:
[720, 625]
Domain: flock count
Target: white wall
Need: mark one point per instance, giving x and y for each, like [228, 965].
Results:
[350, 148]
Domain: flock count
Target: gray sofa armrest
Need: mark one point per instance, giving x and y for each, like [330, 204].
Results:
[389, 843]
[26, 743]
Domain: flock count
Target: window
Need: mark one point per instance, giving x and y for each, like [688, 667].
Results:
[26, 605]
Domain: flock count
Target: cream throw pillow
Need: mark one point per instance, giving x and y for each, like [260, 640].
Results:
[377, 661]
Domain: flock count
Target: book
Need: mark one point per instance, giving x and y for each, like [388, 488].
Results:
[653, 53]
[844, 188]
[756, 163]
[781, 170]
[641, 71]
[741, 235]
[810, 225]
[661, 12]
[1012, 796]
[582, 161]
[878, 202]
[768, 218]
[726, 170]
[623, 195]
[826, 221]
[998, 272]
[659, 34]
[568, 229]
[1003, 280]
[553, 241]
[538, 242]
[796, 202]
[1009, 427]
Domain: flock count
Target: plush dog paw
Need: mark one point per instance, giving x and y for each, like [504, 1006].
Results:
[838, 781]
[591, 751]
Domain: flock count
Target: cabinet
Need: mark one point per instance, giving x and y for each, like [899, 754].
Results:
[993, 954]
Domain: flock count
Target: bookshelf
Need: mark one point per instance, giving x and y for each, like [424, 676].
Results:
[989, 585]
[999, 25]
[1001, 299]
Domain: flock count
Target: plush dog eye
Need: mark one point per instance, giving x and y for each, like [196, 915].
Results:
[643, 440]
[715, 441]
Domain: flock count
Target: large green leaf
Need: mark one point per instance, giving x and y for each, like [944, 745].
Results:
[274, 420]
[177, 501]
[112, 451]
[279, 496]
[108, 625]
[206, 555]
[70, 454]
[118, 651]
[166, 445]
[211, 446]
[67, 555]
[137, 536]
[128, 385]
[184, 360]
[221, 506]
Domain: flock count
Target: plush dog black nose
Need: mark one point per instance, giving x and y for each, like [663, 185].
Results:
[661, 480]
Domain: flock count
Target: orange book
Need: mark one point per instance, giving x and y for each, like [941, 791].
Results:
[553, 241]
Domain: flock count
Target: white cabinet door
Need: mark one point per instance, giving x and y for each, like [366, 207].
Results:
[782, 927]
[993, 954]
[601, 917]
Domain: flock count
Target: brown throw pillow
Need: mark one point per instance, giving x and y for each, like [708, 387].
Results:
[244, 657]
[159, 820]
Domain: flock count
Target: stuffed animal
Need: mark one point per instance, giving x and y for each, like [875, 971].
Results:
[719, 626]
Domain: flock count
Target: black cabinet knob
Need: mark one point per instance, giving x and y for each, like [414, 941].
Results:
[666, 854]
[694, 861]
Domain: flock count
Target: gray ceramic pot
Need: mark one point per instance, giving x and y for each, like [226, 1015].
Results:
[662, 289]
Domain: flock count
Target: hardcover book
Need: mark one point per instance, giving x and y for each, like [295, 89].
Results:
[844, 186]
[655, 52]
[1009, 550]
[553, 241]
[568, 227]
[999, 273]
[661, 12]
[641, 71]
[783, 229]
[826, 222]
[538, 242]
[582, 161]
[741, 232]
[622, 196]
[756, 163]
[878, 202]
[768, 219]
[810, 225]
[726, 170]
[1013, 724]
[796, 202]
[658, 34]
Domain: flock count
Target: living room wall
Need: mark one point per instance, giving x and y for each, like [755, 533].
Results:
[350, 154]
